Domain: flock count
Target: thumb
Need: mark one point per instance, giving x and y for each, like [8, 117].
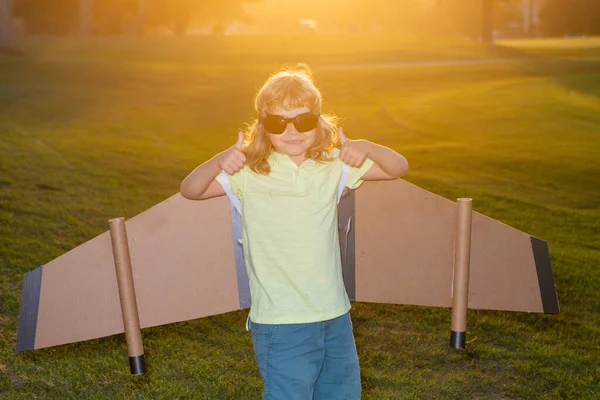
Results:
[240, 141]
[341, 135]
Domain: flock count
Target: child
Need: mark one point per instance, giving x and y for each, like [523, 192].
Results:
[286, 171]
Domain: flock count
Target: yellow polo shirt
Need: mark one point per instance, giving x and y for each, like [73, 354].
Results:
[290, 238]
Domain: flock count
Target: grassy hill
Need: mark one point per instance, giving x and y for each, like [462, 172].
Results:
[98, 128]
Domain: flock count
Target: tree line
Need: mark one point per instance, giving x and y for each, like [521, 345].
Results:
[521, 18]
[472, 18]
[118, 17]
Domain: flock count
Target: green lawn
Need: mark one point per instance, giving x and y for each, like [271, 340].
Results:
[94, 129]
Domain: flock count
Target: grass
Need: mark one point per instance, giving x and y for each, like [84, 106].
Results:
[573, 47]
[94, 129]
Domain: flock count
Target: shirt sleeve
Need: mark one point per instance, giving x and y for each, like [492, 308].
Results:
[237, 182]
[354, 174]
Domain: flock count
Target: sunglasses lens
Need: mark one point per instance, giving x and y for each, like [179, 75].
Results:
[306, 122]
[274, 124]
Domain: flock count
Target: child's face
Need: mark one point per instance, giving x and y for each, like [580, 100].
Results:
[291, 142]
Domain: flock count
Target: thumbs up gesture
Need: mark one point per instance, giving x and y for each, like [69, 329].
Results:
[353, 152]
[232, 159]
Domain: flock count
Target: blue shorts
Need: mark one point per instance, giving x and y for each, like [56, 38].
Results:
[309, 361]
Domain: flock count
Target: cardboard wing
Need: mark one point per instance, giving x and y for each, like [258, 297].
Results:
[401, 250]
[397, 243]
[183, 266]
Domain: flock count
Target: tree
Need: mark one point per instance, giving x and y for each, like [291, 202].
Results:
[474, 18]
[116, 17]
[8, 40]
[466, 17]
[142, 16]
[86, 13]
[177, 15]
[571, 17]
[487, 26]
[55, 17]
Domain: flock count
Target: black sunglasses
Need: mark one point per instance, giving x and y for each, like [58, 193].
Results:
[276, 124]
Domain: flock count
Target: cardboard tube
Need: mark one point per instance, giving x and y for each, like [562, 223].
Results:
[462, 257]
[129, 310]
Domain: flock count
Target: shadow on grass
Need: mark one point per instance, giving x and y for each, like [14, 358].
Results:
[573, 68]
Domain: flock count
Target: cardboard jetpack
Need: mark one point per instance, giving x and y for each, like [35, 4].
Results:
[397, 244]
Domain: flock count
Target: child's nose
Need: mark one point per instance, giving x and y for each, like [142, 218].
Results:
[290, 129]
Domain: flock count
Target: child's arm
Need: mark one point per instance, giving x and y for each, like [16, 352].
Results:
[387, 163]
[201, 183]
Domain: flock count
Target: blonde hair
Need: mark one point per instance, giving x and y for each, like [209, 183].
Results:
[288, 89]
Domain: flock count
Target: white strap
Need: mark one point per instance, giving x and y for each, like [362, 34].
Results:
[343, 179]
[227, 188]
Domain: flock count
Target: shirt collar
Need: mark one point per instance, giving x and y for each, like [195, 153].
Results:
[276, 157]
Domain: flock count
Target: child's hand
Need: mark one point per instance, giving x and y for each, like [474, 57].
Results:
[232, 159]
[354, 152]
